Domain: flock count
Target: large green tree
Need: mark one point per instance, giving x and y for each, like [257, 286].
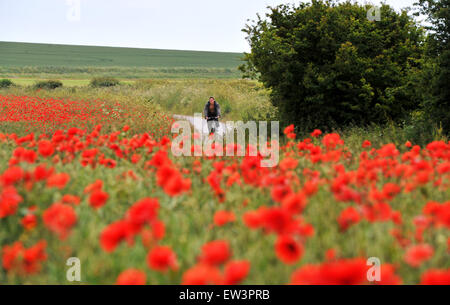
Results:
[437, 102]
[328, 65]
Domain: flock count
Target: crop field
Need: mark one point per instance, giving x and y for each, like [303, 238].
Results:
[82, 62]
[96, 180]
[316, 154]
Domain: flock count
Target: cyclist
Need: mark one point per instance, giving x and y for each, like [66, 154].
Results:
[212, 115]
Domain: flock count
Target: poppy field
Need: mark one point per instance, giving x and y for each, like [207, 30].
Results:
[97, 181]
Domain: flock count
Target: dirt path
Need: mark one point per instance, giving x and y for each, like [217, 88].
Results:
[201, 126]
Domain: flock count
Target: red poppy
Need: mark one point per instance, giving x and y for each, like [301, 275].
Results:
[114, 234]
[71, 199]
[294, 203]
[280, 192]
[202, 275]
[17, 259]
[436, 277]
[96, 186]
[41, 172]
[276, 220]
[171, 180]
[12, 175]
[46, 148]
[366, 144]
[158, 229]
[58, 180]
[131, 277]
[415, 256]
[289, 129]
[9, 201]
[215, 252]
[316, 133]
[98, 199]
[142, 212]
[222, 218]
[60, 218]
[253, 219]
[332, 140]
[162, 258]
[348, 218]
[29, 222]
[307, 275]
[236, 272]
[388, 276]
[288, 250]
[339, 272]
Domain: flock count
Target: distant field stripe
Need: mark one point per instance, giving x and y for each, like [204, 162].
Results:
[26, 54]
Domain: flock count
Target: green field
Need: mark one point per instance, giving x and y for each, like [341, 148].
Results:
[28, 60]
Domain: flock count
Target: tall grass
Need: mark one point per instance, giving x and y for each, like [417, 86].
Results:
[239, 99]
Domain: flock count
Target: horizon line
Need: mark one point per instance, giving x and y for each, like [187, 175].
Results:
[120, 47]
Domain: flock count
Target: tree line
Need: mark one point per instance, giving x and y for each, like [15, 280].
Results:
[330, 66]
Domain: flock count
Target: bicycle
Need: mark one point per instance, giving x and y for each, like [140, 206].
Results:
[212, 129]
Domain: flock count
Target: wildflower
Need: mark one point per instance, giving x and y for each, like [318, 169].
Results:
[114, 234]
[222, 218]
[288, 130]
[142, 212]
[12, 175]
[60, 218]
[276, 220]
[158, 229]
[288, 250]
[236, 272]
[415, 256]
[9, 201]
[316, 133]
[254, 219]
[436, 277]
[29, 222]
[58, 180]
[339, 272]
[202, 275]
[131, 277]
[16, 258]
[96, 186]
[42, 173]
[46, 148]
[348, 218]
[98, 199]
[279, 192]
[294, 203]
[388, 276]
[162, 258]
[332, 140]
[367, 144]
[288, 164]
[215, 252]
[71, 199]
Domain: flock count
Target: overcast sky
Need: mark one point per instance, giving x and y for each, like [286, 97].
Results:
[209, 25]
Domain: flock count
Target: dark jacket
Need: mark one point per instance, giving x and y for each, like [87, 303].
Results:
[216, 113]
